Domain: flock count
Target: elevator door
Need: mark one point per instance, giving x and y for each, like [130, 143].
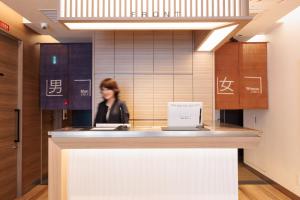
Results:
[8, 117]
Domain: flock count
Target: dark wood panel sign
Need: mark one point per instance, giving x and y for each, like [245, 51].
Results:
[241, 76]
[253, 76]
[227, 77]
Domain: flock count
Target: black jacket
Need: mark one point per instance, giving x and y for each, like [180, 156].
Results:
[118, 113]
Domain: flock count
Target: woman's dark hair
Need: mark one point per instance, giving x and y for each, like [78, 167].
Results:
[110, 84]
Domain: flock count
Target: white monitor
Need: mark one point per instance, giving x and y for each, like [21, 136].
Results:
[185, 114]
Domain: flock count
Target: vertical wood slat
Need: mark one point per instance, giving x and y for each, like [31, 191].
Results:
[207, 11]
[92, 4]
[71, 10]
[218, 8]
[174, 7]
[130, 7]
[86, 9]
[158, 7]
[119, 8]
[147, 7]
[191, 8]
[197, 10]
[103, 3]
[99, 8]
[136, 7]
[240, 9]
[75, 9]
[142, 7]
[202, 10]
[125, 8]
[69, 7]
[234, 7]
[212, 8]
[108, 10]
[153, 6]
[164, 7]
[229, 7]
[115, 8]
[93, 8]
[185, 8]
[224, 8]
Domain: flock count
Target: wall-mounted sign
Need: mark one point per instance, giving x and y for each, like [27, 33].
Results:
[66, 71]
[4, 26]
[225, 86]
[253, 84]
[241, 76]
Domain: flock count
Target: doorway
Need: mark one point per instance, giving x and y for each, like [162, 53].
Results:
[9, 116]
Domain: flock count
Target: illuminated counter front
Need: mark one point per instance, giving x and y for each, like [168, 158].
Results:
[146, 163]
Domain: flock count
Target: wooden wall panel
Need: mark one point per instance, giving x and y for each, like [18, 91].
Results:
[124, 52]
[143, 97]
[253, 76]
[47, 125]
[8, 126]
[160, 123]
[143, 40]
[163, 61]
[241, 76]
[203, 76]
[183, 61]
[163, 40]
[8, 162]
[124, 60]
[104, 51]
[105, 61]
[124, 39]
[31, 113]
[143, 61]
[227, 76]
[183, 88]
[31, 136]
[183, 39]
[125, 82]
[163, 93]
[143, 122]
[9, 73]
[153, 68]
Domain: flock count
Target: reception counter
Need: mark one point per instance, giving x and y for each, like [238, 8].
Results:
[146, 163]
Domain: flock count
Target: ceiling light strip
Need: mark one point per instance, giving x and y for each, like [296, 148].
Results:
[216, 37]
[145, 25]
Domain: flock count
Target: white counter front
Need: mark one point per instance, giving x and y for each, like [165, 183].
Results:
[146, 164]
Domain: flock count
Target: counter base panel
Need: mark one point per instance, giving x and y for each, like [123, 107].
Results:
[144, 174]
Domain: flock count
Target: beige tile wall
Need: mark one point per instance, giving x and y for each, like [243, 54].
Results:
[152, 69]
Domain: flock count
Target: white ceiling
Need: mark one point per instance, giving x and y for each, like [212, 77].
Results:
[260, 6]
[31, 10]
[265, 12]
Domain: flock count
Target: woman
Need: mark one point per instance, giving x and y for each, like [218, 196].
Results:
[111, 109]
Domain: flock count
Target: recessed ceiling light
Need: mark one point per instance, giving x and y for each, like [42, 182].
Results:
[145, 25]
